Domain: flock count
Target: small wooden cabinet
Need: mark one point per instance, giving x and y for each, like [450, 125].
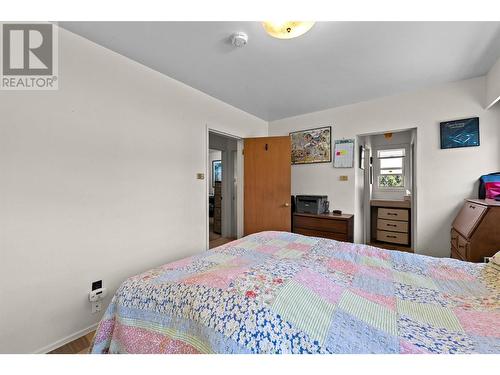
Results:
[391, 224]
[475, 232]
[335, 227]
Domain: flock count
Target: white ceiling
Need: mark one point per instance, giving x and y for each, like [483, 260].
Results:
[335, 63]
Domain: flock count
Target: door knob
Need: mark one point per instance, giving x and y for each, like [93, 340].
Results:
[287, 204]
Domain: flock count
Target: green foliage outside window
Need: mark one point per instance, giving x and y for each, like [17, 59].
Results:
[391, 180]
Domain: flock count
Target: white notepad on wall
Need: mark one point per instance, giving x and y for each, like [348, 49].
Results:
[343, 153]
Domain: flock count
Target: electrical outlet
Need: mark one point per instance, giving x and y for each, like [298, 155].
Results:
[96, 306]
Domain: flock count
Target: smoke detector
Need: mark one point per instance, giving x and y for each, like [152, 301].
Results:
[239, 39]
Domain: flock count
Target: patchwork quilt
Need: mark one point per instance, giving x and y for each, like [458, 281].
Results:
[278, 292]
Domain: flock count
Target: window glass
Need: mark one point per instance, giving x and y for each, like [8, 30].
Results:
[396, 152]
[390, 173]
[391, 163]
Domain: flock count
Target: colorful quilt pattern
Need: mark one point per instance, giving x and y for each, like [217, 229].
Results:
[278, 292]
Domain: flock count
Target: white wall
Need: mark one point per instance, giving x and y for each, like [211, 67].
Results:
[444, 177]
[493, 85]
[97, 181]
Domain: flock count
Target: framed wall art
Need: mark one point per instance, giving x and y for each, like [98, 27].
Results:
[216, 171]
[312, 146]
[460, 133]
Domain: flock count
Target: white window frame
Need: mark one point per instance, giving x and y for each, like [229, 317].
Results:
[381, 191]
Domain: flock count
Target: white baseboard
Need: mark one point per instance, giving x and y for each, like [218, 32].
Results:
[66, 340]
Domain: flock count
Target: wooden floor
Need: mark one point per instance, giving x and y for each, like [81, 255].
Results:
[215, 239]
[219, 241]
[212, 235]
[78, 346]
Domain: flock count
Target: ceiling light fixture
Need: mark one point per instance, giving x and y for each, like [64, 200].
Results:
[287, 29]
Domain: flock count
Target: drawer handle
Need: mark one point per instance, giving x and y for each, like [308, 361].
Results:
[391, 237]
[392, 214]
[471, 206]
[391, 225]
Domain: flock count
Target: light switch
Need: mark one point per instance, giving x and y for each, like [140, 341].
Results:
[200, 176]
[343, 178]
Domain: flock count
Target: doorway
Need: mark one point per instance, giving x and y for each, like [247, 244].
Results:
[252, 192]
[386, 181]
[222, 171]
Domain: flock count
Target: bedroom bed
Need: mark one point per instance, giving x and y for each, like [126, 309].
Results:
[278, 292]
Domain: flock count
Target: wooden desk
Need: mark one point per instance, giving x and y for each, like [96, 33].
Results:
[335, 227]
[475, 232]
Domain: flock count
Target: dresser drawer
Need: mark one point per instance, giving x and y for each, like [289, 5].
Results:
[392, 237]
[393, 214]
[467, 219]
[462, 247]
[391, 225]
[318, 233]
[326, 225]
[455, 254]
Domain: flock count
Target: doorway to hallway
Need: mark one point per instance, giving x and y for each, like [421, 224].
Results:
[222, 190]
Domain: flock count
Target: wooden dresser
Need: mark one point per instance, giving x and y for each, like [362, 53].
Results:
[475, 232]
[391, 224]
[335, 227]
[217, 207]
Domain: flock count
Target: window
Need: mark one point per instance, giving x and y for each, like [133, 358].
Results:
[391, 168]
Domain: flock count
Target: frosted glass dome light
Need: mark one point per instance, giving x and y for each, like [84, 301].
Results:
[287, 29]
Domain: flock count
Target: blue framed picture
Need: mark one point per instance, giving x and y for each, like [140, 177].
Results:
[460, 133]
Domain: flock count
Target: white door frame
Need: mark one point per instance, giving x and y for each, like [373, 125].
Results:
[366, 197]
[414, 182]
[239, 179]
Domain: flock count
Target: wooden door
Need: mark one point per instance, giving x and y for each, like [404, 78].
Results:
[267, 170]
